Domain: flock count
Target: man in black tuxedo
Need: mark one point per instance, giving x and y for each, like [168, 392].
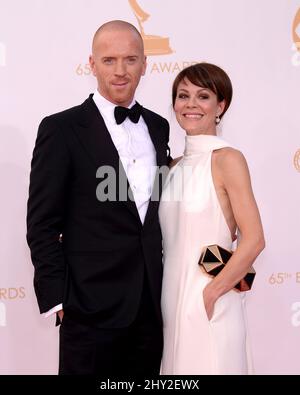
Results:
[98, 263]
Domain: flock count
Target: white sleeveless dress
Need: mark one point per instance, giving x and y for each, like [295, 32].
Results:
[191, 218]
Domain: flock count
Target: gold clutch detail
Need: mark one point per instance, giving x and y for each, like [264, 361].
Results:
[214, 258]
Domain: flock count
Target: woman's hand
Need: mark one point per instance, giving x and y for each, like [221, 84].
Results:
[209, 299]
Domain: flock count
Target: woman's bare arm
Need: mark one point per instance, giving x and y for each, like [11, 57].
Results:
[236, 181]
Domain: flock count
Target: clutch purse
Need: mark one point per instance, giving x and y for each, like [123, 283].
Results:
[214, 258]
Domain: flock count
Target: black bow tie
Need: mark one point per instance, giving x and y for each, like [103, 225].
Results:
[133, 113]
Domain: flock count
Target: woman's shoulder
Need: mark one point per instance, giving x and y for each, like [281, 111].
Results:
[231, 165]
[228, 156]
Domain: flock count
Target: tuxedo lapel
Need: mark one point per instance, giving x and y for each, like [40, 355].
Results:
[97, 142]
[94, 136]
[154, 134]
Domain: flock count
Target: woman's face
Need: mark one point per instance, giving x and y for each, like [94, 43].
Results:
[196, 108]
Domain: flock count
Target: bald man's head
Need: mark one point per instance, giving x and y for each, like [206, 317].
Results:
[117, 25]
[118, 61]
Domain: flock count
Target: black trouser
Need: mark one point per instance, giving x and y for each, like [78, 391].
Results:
[132, 351]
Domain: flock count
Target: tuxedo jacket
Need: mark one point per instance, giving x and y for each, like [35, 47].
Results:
[88, 254]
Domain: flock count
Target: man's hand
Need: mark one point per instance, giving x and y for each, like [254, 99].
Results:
[60, 315]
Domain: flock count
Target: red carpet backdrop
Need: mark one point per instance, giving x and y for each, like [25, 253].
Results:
[44, 49]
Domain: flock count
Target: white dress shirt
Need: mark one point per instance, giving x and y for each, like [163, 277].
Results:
[137, 154]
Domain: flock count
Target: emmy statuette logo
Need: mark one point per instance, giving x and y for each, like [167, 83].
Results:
[154, 45]
[296, 30]
[295, 319]
[2, 55]
[297, 160]
[296, 40]
[11, 294]
[2, 314]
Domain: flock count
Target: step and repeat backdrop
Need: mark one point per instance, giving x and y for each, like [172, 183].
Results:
[44, 49]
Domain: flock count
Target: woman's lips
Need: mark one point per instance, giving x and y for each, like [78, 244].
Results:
[193, 116]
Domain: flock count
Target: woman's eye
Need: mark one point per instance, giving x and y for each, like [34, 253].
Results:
[182, 96]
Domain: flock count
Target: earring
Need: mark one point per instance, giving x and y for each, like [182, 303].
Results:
[218, 120]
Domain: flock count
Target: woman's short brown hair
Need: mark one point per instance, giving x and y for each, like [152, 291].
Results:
[207, 76]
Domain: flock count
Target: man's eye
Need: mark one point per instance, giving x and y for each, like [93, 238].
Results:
[131, 60]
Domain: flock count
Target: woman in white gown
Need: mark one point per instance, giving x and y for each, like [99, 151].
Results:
[206, 199]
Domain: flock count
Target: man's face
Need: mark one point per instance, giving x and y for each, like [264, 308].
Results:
[118, 62]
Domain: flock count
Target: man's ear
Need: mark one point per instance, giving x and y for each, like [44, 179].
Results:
[144, 65]
[92, 64]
